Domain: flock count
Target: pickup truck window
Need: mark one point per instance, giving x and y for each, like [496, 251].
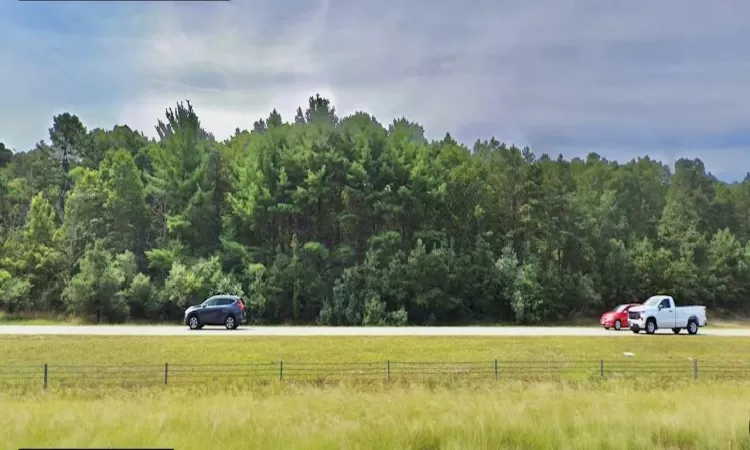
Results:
[652, 301]
[664, 303]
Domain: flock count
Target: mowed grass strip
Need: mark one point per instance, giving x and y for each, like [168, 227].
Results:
[130, 350]
[686, 415]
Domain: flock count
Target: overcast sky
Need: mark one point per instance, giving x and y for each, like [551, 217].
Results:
[667, 78]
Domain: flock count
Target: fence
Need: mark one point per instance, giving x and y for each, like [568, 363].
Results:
[48, 375]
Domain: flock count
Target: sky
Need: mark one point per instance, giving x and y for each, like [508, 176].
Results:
[667, 78]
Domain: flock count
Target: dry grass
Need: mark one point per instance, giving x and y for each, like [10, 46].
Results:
[608, 415]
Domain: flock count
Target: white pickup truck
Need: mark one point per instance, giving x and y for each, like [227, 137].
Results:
[660, 311]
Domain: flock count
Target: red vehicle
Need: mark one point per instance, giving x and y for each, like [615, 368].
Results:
[618, 317]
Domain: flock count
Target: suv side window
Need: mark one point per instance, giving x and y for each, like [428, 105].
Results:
[212, 302]
[225, 301]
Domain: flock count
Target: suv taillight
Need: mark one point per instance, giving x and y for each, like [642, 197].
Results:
[240, 304]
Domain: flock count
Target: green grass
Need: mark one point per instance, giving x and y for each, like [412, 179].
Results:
[20, 350]
[140, 361]
[451, 413]
[32, 318]
[36, 319]
[611, 415]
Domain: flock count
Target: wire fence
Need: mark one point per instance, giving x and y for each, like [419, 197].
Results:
[53, 375]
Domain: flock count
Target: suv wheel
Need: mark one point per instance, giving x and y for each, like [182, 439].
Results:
[230, 323]
[193, 323]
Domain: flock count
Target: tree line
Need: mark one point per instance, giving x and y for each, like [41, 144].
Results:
[345, 221]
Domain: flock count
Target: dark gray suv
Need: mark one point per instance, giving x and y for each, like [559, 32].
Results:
[227, 310]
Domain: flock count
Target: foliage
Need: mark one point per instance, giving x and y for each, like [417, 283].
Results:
[100, 287]
[345, 221]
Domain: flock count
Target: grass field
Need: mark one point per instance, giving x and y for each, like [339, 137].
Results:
[541, 416]
[19, 350]
[103, 362]
[606, 413]
[35, 319]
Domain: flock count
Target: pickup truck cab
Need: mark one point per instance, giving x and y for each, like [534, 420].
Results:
[660, 311]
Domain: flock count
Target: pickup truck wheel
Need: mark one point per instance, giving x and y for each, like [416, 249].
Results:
[635, 330]
[618, 325]
[650, 326]
[692, 326]
[676, 330]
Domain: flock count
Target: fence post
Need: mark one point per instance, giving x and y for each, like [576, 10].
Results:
[601, 368]
[388, 370]
[495, 370]
[166, 372]
[46, 375]
[695, 369]
[281, 370]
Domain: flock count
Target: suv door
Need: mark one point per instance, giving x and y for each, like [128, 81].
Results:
[208, 313]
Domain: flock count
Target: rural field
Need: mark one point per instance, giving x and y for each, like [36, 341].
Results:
[208, 349]
[540, 416]
[648, 411]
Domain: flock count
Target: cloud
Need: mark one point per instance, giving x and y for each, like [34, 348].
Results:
[565, 76]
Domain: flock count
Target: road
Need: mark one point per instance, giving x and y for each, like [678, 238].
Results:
[248, 331]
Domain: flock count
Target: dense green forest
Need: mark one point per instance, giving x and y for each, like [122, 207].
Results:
[345, 221]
